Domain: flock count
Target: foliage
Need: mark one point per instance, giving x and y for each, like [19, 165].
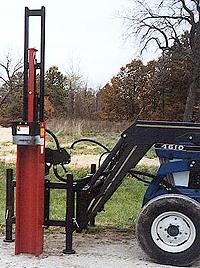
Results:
[156, 91]
[122, 98]
[163, 23]
[68, 95]
[56, 90]
[12, 106]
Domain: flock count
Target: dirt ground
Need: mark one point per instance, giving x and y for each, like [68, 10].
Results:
[110, 249]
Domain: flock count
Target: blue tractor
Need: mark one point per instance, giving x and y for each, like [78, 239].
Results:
[168, 226]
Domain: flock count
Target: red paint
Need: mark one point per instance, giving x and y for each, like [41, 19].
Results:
[30, 170]
[29, 200]
[32, 61]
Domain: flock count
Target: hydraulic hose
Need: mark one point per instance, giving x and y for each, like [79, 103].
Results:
[89, 140]
[54, 137]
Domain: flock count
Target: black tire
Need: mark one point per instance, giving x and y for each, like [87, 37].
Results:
[156, 230]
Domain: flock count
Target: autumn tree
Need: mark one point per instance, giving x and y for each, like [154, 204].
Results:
[123, 98]
[162, 23]
[157, 90]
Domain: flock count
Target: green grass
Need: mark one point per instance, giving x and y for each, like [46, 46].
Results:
[120, 211]
[151, 153]
[123, 207]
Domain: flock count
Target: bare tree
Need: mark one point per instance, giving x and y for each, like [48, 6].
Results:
[162, 23]
[8, 72]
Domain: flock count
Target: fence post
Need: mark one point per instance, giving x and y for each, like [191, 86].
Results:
[69, 227]
[9, 205]
[46, 202]
[93, 171]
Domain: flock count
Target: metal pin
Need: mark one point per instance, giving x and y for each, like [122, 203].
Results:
[76, 223]
[7, 213]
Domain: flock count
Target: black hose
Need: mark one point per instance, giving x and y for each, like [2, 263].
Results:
[55, 170]
[92, 141]
[132, 173]
[163, 184]
[137, 172]
[54, 137]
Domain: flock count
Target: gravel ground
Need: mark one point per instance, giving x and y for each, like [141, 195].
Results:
[110, 249]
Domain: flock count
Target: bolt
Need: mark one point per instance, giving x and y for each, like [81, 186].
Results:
[124, 135]
[180, 233]
[190, 137]
[175, 237]
[191, 165]
[165, 229]
[175, 219]
[186, 233]
[160, 227]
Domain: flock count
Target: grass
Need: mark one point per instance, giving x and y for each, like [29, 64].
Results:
[151, 153]
[5, 143]
[120, 211]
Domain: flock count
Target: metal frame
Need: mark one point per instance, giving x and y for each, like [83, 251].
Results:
[40, 66]
[29, 135]
[92, 192]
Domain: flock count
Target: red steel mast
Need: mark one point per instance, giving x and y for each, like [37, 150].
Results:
[29, 135]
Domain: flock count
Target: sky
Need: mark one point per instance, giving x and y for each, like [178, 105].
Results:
[86, 34]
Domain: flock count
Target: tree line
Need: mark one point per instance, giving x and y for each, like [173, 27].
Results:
[157, 90]
[66, 95]
[163, 89]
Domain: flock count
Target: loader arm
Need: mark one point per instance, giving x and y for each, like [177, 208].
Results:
[134, 143]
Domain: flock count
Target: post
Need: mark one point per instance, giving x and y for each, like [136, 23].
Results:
[93, 171]
[29, 136]
[46, 202]
[9, 205]
[69, 216]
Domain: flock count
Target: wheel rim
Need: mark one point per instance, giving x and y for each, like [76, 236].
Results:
[173, 231]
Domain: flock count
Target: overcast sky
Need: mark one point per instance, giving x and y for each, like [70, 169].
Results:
[85, 32]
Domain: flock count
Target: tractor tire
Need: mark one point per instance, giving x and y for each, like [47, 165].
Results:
[168, 230]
